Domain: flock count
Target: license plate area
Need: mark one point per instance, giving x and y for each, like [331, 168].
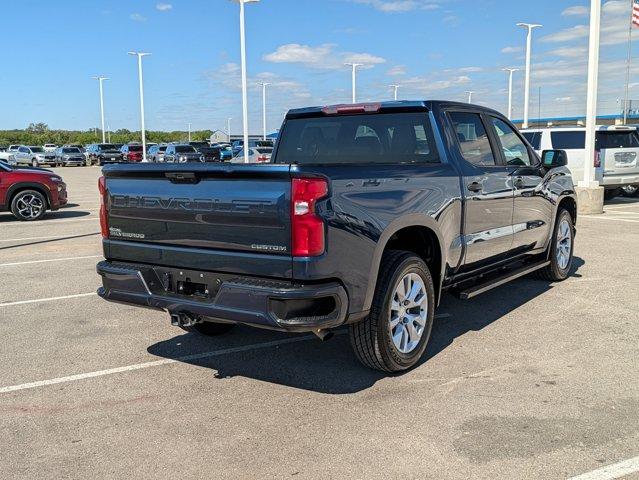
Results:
[191, 284]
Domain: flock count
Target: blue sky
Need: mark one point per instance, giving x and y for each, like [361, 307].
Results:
[431, 48]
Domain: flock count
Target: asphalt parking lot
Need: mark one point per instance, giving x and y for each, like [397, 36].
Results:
[532, 380]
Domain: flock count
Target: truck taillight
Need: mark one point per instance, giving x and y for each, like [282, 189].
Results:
[104, 211]
[597, 159]
[306, 226]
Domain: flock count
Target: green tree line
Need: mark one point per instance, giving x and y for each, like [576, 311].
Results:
[39, 134]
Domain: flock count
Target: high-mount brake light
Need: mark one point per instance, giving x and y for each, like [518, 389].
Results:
[352, 108]
[307, 227]
[104, 209]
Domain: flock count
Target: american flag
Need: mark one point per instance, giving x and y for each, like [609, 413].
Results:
[635, 13]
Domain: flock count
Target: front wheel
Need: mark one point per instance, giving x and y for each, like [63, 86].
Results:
[28, 205]
[394, 335]
[561, 249]
[34, 162]
[630, 191]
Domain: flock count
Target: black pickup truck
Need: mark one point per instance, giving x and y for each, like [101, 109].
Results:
[366, 214]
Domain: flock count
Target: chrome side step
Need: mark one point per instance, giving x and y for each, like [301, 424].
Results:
[497, 281]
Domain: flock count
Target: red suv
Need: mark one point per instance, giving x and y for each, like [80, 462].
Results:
[132, 153]
[28, 193]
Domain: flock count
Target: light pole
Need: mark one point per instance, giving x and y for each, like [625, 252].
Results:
[264, 85]
[244, 85]
[395, 88]
[510, 90]
[228, 128]
[354, 78]
[470, 96]
[109, 133]
[530, 27]
[588, 181]
[101, 79]
[189, 125]
[141, 79]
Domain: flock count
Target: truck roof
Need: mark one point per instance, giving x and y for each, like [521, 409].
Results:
[380, 107]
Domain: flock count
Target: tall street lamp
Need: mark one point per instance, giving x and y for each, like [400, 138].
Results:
[141, 79]
[395, 88]
[101, 79]
[529, 27]
[244, 83]
[264, 85]
[228, 128]
[189, 132]
[470, 96]
[510, 90]
[354, 78]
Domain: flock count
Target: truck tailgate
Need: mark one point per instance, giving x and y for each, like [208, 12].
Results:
[240, 208]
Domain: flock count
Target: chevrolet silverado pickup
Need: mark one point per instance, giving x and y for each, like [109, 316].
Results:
[366, 214]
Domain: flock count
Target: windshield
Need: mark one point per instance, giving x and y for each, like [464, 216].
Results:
[5, 166]
[184, 149]
[375, 138]
[71, 150]
[135, 148]
[37, 149]
[107, 146]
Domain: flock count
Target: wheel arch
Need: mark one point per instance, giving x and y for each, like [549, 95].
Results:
[19, 187]
[415, 233]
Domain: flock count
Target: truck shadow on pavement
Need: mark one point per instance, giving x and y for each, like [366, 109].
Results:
[57, 215]
[331, 367]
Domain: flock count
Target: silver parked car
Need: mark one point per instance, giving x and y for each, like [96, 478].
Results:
[182, 154]
[256, 155]
[34, 156]
[68, 156]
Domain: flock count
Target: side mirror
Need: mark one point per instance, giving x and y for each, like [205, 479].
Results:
[554, 158]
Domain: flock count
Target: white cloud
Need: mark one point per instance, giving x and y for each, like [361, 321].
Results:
[568, 34]
[576, 11]
[511, 49]
[470, 69]
[563, 99]
[396, 71]
[136, 17]
[321, 57]
[400, 6]
[163, 7]
[569, 52]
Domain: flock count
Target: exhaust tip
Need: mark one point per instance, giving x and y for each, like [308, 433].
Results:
[324, 335]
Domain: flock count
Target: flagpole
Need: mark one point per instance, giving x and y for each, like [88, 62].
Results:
[628, 62]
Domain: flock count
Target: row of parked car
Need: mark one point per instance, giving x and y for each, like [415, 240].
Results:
[259, 151]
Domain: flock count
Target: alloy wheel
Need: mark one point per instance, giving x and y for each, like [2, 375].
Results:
[408, 313]
[564, 244]
[30, 206]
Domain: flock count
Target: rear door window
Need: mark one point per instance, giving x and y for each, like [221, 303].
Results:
[472, 137]
[568, 140]
[390, 138]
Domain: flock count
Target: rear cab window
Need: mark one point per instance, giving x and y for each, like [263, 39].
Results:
[383, 138]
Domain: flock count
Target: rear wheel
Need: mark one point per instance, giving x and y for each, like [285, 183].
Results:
[630, 190]
[28, 205]
[210, 329]
[394, 335]
[561, 249]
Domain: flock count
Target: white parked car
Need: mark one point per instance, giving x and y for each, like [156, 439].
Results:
[616, 158]
[256, 155]
[49, 147]
[9, 154]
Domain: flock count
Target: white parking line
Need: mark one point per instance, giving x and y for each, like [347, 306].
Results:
[616, 470]
[30, 262]
[609, 218]
[157, 363]
[53, 221]
[51, 299]
[48, 238]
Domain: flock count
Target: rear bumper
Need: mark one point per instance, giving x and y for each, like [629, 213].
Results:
[619, 180]
[263, 303]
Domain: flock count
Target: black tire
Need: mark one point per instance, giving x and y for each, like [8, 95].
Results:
[612, 193]
[371, 338]
[34, 162]
[210, 329]
[18, 204]
[554, 272]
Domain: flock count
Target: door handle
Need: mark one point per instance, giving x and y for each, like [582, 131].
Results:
[519, 182]
[474, 187]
